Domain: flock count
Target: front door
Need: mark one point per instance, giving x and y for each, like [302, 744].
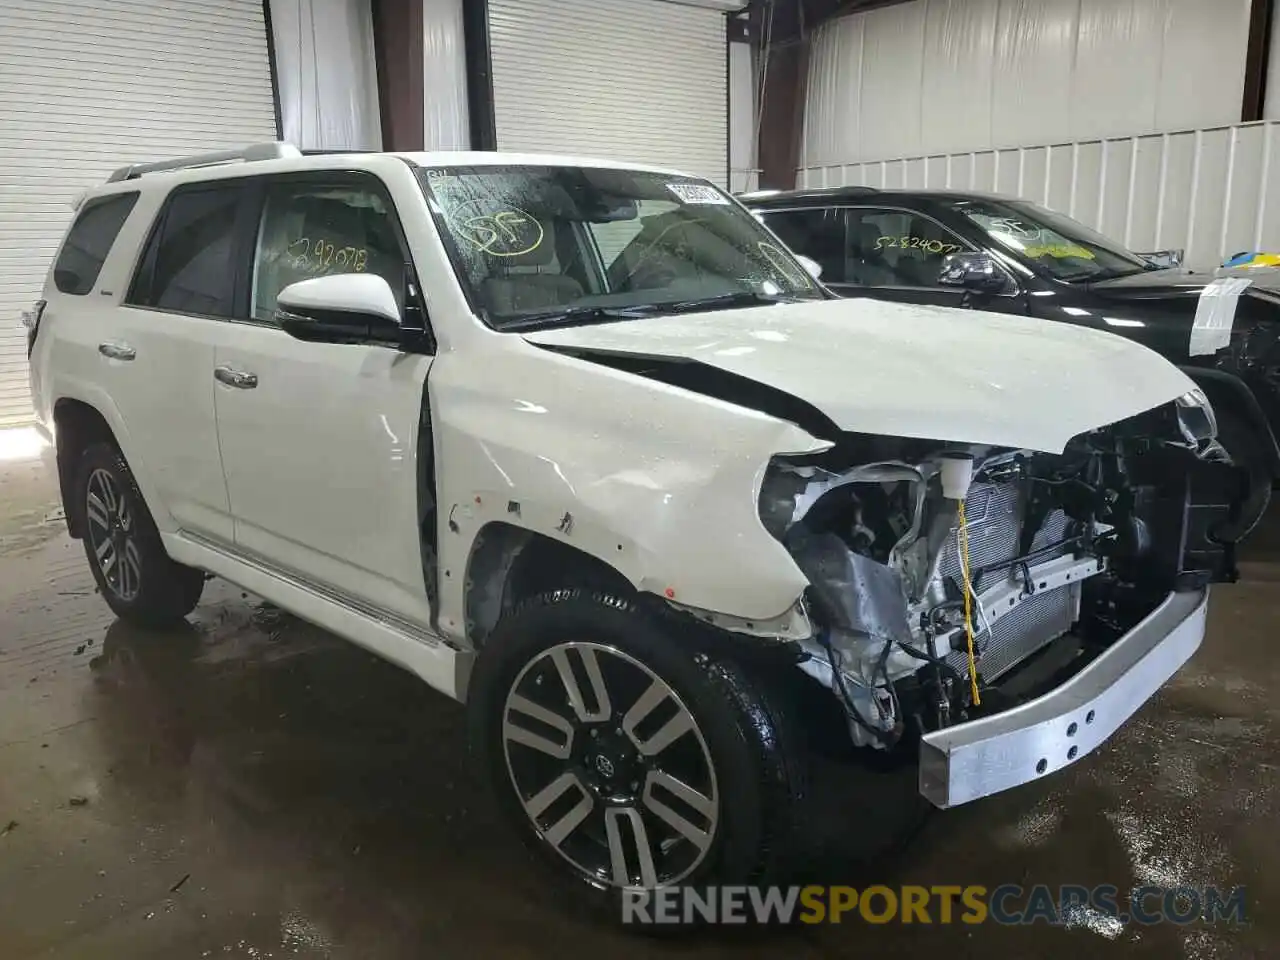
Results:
[886, 253]
[898, 255]
[319, 441]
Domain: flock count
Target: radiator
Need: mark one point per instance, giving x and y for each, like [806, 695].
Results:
[995, 514]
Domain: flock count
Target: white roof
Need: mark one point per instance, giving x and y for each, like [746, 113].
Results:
[284, 157]
[492, 158]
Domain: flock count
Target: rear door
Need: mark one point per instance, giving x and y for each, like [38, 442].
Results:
[156, 352]
[319, 441]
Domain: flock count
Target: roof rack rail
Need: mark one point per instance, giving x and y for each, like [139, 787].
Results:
[275, 150]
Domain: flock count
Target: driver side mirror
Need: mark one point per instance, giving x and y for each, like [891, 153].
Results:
[1164, 259]
[340, 308]
[975, 272]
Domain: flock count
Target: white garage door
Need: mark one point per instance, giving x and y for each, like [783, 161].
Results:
[90, 85]
[640, 80]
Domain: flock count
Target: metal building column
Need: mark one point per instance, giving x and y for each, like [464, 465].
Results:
[786, 77]
[1257, 60]
[397, 43]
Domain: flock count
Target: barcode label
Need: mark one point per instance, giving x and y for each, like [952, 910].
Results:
[697, 193]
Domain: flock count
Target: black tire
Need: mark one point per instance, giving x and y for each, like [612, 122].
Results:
[758, 762]
[156, 591]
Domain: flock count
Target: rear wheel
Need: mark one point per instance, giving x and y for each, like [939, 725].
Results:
[625, 756]
[128, 560]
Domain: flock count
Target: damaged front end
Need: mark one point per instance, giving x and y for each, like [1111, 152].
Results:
[925, 623]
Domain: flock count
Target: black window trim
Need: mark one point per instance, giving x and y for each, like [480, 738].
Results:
[101, 200]
[1015, 288]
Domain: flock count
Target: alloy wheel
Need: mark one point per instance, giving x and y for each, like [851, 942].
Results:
[610, 766]
[112, 535]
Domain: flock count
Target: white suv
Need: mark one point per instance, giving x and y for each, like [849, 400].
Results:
[582, 444]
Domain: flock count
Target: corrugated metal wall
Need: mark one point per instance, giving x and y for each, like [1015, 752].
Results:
[89, 85]
[1121, 113]
[948, 76]
[1214, 191]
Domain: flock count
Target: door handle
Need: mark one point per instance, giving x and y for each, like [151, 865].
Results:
[235, 378]
[117, 351]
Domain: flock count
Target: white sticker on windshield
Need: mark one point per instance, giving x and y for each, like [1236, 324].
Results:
[1216, 315]
[697, 193]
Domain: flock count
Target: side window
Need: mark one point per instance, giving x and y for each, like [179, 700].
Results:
[188, 266]
[313, 229]
[89, 241]
[818, 234]
[896, 248]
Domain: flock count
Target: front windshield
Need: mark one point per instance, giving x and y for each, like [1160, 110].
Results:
[1049, 242]
[537, 244]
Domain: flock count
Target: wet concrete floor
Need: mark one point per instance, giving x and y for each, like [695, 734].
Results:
[254, 787]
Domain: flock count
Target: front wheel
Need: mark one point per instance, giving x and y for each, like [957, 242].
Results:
[629, 758]
[134, 573]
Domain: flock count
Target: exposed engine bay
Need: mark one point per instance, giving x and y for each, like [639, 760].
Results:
[949, 579]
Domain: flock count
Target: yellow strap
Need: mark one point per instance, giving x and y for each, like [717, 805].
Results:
[968, 606]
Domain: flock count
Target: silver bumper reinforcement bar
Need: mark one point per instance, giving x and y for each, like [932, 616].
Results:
[985, 756]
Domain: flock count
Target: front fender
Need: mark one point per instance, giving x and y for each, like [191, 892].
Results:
[657, 482]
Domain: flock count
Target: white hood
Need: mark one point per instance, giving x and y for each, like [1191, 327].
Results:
[907, 370]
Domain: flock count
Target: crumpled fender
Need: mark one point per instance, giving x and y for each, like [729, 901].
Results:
[657, 482]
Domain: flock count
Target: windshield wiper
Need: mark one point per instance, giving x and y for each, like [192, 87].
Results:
[570, 316]
[724, 301]
[1098, 276]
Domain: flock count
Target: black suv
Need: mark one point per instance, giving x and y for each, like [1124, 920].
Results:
[1013, 256]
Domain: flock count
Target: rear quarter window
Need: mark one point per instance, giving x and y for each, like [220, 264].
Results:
[89, 241]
